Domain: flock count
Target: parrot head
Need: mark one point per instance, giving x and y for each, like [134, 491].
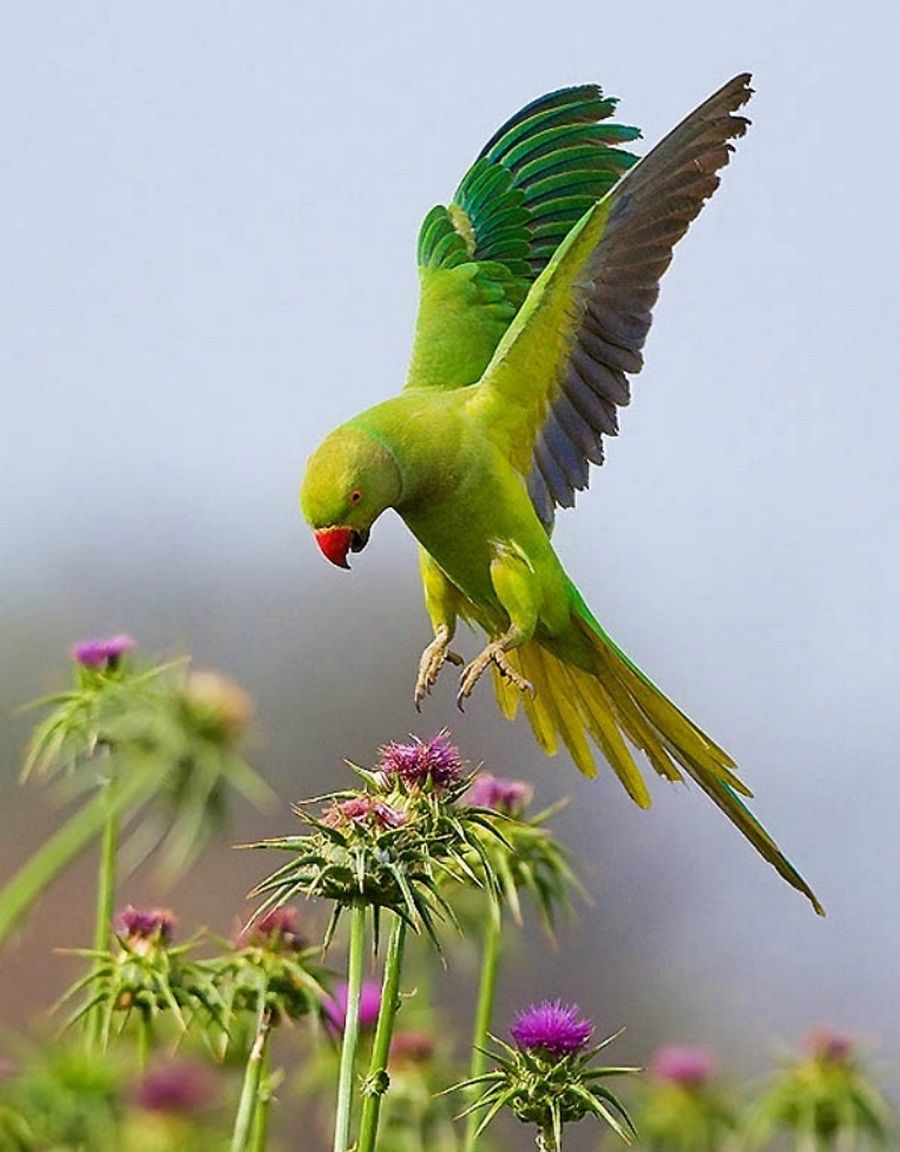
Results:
[350, 479]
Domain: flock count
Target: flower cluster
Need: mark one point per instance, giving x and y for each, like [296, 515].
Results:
[511, 797]
[823, 1098]
[520, 852]
[269, 968]
[681, 1107]
[144, 974]
[169, 739]
[392, 842]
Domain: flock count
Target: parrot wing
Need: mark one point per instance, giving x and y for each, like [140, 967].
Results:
[532, 181]
[553, 386]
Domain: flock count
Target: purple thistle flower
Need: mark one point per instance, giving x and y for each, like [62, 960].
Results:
[335, 1006]
[438, 761]
[275, 931]
[363, 809]
[145, 924]
[387, 816]
[102, 654]
[553, 1027]
[508, 796]
[683, 1064]
[829, 1047]
[176, 1087]
[412, 1048]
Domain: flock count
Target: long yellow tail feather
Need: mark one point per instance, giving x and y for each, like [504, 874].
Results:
[614, 703]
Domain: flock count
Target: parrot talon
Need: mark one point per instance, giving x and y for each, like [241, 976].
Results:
[433, 659]
[494, 653]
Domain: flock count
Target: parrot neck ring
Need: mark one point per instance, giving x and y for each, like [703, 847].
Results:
[337, 541]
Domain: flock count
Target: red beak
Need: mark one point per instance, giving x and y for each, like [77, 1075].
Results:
[335, 544]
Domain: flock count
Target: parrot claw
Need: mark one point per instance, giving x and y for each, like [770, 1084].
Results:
[494, 653]
[433, 659]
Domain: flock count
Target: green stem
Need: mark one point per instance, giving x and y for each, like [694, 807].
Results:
[487, 989]
[247, 1105]
[351, 1027]
[377, 1081]
[106, 896]
[546, 1139]
[145, 1040]
[260, 1133]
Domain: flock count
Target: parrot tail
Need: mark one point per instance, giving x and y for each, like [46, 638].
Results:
[615, 702]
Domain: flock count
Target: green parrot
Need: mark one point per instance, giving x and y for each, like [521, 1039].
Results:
[537, 286]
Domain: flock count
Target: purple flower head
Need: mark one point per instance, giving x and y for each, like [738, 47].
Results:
[363, 809]
[145, 924]
[829, 1047]
[369, 1006]
[438, 761]
[101, 654]
[276, 931]
[176, 1087]
[508, 796]
[412, 1048]
[553, 1027]
[683, 1064]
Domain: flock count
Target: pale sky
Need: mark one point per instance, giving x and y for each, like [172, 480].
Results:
[208, 231]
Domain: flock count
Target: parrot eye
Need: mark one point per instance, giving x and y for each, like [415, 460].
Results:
[356, 496]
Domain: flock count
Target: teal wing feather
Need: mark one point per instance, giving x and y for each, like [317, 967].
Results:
[538, 175]
[478, 256]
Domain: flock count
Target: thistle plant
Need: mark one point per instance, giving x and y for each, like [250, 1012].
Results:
[822, 1099]
[390, 843]
[151, 749]
[681, 1106]
[388, 846]
[145, 976]
[522, 856]
[179, 1052]
[271, 973]
[546, 1077]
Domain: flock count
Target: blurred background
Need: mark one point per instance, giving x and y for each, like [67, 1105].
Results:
[209, 223]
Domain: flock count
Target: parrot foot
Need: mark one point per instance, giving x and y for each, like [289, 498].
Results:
[435, 656]
[494, 653]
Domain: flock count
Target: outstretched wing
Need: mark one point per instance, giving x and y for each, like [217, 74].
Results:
[532, 181]
[553, 387]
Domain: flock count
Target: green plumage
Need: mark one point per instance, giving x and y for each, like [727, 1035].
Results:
[537, 288]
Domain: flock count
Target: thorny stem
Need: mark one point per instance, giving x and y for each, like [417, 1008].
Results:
[381, 1045]
[487, 989]
[351, 1026]
[248, 1103]
[106, 896]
